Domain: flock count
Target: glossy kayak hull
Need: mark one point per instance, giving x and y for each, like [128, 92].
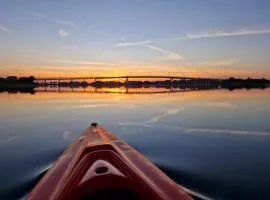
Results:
[99, 164]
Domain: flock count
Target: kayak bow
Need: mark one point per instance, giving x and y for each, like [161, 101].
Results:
[98, 165]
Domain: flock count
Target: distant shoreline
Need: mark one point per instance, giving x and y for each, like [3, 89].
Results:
[28, 84]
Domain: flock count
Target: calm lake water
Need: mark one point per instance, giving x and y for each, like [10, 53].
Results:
[216, 142]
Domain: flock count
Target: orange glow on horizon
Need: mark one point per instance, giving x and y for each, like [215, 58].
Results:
[133, 70]
[117, 94]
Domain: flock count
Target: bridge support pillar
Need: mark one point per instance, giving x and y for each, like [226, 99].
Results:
[171, 89]
[172, 80]
[45, 85]
[126, 79]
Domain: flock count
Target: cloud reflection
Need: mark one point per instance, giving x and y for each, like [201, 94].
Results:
[92, 105]
[66, 135]
[220, 104]
[222, 131]
[8, 140]
[133, 124]
[188, 130]
[169, 112]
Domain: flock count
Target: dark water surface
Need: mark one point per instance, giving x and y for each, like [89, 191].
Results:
[215, 142]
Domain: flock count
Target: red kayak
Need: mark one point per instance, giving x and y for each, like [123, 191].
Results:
[98, 165]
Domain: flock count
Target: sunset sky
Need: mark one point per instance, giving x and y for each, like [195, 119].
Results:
[213, 38]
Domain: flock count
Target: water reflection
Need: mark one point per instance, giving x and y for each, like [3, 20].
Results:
[125, 89]
[213, 141]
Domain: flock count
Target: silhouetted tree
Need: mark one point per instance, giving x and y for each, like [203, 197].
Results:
[12, 78]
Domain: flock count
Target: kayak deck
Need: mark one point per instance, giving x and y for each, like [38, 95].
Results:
[98, 165]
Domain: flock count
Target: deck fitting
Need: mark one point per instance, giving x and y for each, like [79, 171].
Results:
[94, 124]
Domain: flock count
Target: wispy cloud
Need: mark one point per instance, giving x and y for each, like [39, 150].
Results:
[218, 63]
[68, 48]
[77, 62]
[68, 23]
[56, 20]
[205, 35]
[93, 26]
[128, 44]
[123, 38]
[223, 33]
[38, 15]
[168, 54]
[148, 44]
[62, 33]
[215, 34]
[165, 114]
[3, 28]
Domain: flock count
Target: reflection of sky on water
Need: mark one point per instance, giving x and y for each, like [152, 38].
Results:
[218, 135]
[167, 113]
[236, 112]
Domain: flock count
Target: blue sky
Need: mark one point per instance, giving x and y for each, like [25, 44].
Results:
[202, 37]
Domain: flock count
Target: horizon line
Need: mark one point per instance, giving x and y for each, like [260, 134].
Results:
[132, 76]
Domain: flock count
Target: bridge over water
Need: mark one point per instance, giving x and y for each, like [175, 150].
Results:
[125, 90]
[126, 78]
[118, 77]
